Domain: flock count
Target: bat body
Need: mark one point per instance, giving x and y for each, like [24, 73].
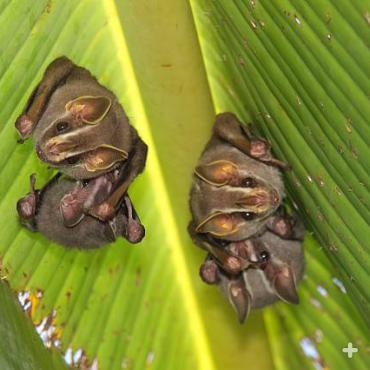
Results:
[254, 249]
[274, 275]
[79, 127]
[45, 211]
[89, 233]
[254, 272]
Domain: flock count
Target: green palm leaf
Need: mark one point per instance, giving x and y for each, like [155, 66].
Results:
[298, 71]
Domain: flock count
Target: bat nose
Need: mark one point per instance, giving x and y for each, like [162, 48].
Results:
[258, 199]
[57, 150]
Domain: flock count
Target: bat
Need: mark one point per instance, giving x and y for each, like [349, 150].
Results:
[237, 183]
[79, 127]
[254, 251]
[47, 210]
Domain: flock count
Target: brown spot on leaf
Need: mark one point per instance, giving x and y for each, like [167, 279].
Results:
[353, 151]
[138, 276]
[320, 216]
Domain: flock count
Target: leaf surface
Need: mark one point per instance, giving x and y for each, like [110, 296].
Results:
[298, 71]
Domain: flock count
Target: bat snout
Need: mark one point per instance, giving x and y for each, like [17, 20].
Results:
[260, 200]
[57, 150]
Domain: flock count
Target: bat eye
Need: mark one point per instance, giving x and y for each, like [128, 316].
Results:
[264, 256]
[62, 126]
[249, 182]
[72, 160]
[248, 215]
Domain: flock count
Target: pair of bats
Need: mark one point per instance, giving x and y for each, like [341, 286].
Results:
[254, 248]
[79, 127]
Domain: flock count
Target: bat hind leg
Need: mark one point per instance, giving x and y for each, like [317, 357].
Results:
[27, 206]
[127, 222]
[134, 231]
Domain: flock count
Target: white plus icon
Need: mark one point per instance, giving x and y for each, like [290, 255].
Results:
[350, 350]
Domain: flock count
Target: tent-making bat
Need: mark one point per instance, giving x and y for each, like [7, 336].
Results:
[254, 248]
[79, 127]
[237, 183]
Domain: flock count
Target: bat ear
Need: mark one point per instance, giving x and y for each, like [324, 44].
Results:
[218, 224]
[89, 109]
[103, 157]
[237, 294]
[217, 173]
[283, 282]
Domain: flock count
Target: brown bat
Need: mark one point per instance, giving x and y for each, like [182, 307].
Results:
[270, 269]
[79, 127]
[46, 210]
[254, 248]
[237, 184]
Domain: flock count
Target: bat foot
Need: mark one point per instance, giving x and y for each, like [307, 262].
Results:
[134, 232]
[103, 211]
[281, 226]
[286, 227]
[209, 272]
[27, 206]
[24, 126]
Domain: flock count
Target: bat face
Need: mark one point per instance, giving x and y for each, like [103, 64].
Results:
[233, 194]
[77, 125]
[81, 136]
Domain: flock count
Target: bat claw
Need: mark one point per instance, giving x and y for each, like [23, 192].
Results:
[24, 126]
